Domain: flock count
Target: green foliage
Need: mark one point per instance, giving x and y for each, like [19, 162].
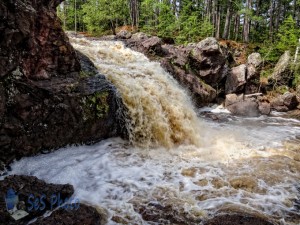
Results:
[101, 15]
[96, 105]
[191, 27]
[148, 17]
[166, 20]
[286, 39]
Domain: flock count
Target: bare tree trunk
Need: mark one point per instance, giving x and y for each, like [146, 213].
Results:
[227, 21]
[214, 16]
[236, 27]
[246, 30]
[257, 14]
[134, 12]
[75, 10]
[278, 15]
[208, 9]
[271, 28]
[113, 27]
[218, 23]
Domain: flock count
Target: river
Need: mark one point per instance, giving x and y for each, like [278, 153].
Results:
[177, 165]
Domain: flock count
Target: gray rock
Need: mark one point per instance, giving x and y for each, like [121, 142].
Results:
[153, 44]
[290, 100]
[245, 108]
[124, 34]
[236, 79]
[201, 92]
[208, 61]
[282, 73]
[233, 98]
[255, 60]
[139, 36]
[285, 102]
[254, 63]
[240, 106]
[264, 108]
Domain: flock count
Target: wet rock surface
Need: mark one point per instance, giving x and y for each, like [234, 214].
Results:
[46, 100]
[210, 70]
[201, 68]
[236, 219]
[86, 215]
[24, 186]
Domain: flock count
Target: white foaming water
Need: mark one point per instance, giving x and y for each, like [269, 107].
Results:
[239, 165]
[161, 113]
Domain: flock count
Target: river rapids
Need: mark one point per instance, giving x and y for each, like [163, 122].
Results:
[177, 167]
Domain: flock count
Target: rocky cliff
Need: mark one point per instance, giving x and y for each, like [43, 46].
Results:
[46, 99]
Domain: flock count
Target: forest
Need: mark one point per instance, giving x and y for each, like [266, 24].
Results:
[272, 25]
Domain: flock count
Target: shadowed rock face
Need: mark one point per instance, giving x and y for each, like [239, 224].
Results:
[46, 100]
[32, 38]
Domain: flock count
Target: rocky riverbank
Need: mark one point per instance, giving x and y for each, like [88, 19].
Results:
[213, 73]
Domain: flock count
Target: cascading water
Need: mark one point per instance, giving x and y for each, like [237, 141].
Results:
[177, 168]
[161, 113]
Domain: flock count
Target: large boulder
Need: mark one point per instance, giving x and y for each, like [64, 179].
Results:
[124, 34]
[241, 106]
[284, 103]
[254, 65]
[209, 62]
[46, 101]
[282, 74]
[202, 93]
[236, 79]
[153, 45]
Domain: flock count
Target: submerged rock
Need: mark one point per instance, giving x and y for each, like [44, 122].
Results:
[86, 215]
[46, 100]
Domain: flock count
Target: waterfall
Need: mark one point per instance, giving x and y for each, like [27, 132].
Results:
[161, 112]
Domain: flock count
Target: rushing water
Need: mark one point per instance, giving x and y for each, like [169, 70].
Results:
[176, 167]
